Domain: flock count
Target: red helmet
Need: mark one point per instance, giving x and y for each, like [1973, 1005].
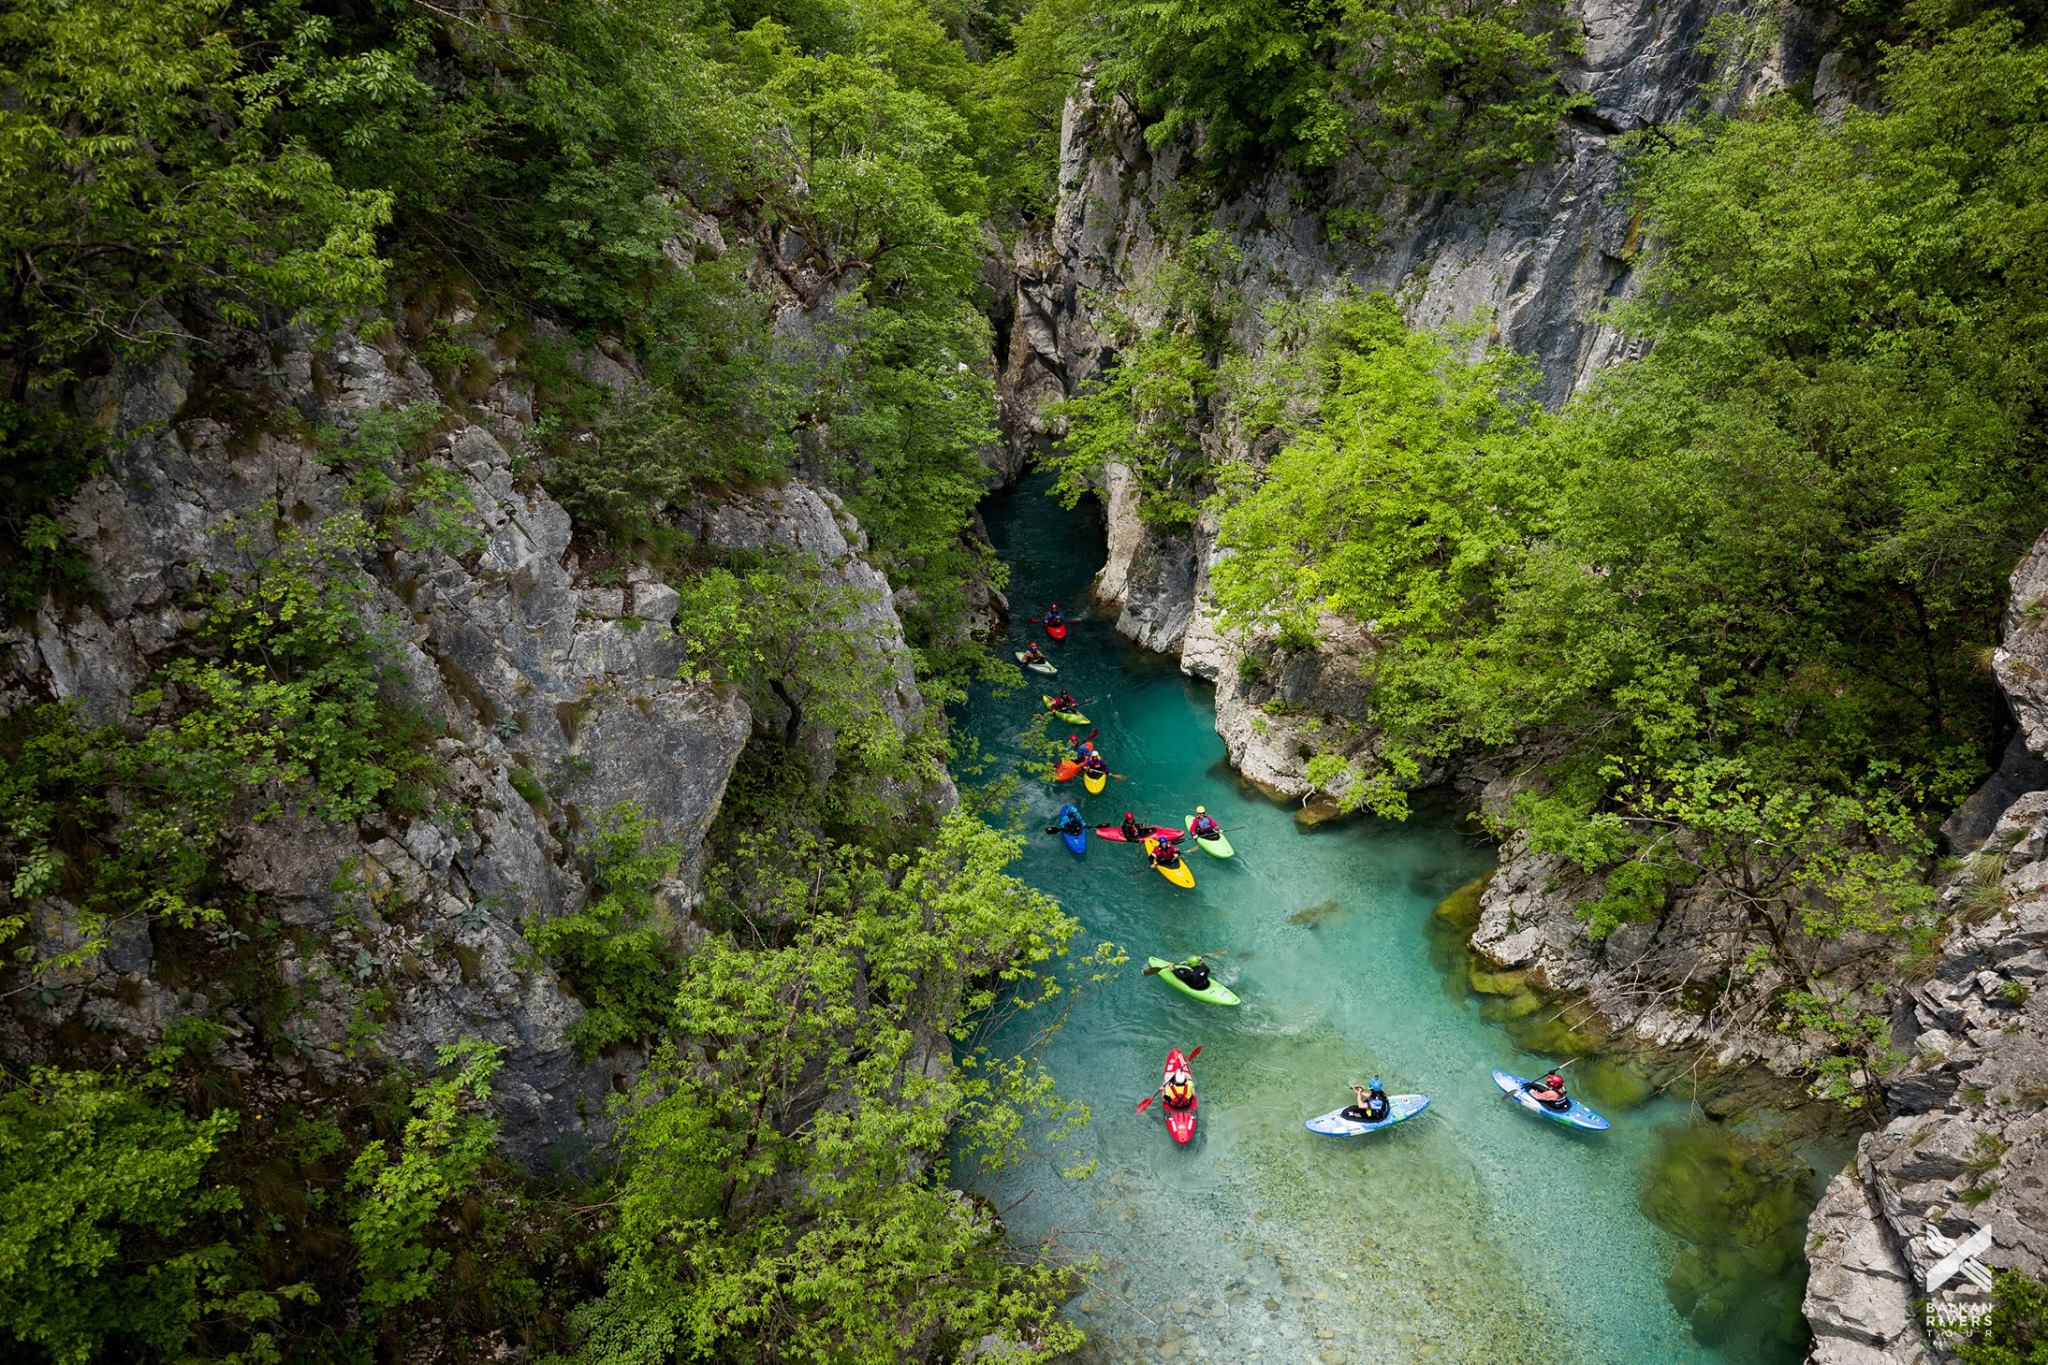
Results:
[1129, 816]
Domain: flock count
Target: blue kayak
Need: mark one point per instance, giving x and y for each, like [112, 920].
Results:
[1399, 1109]
[1578, 1116]
[1077, 844]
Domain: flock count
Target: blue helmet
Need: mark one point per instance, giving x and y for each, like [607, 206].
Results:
[1373, 1084]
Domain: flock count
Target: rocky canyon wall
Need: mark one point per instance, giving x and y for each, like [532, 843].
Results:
[552, 689]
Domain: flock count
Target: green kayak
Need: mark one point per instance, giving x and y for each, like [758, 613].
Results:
[1216, 846]
[1216, 994]
[1073, 717]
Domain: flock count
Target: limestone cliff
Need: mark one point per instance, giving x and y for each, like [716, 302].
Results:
[554, 694]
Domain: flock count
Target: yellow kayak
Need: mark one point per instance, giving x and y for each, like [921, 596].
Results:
[1094, 782]
[1178, 874]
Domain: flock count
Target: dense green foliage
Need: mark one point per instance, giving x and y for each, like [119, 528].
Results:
[1740, 592]
[2016, 1331]
[98, 1178]
[1431, 94]
[796, 1073]
[141, 1230]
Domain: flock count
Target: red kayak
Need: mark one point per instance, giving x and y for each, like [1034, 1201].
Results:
[1066, 771]
[1115, 834]
[1058, 632]
[1179, 1122]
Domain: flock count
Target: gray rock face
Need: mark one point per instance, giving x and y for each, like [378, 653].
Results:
[1967, 1146]
[555, 697]
[2022, 658]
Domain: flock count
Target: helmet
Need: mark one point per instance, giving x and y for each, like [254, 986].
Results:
[1055, 606]
[1201, 810]
[1178, 1078]
[1373, 1084]
[1129, 816]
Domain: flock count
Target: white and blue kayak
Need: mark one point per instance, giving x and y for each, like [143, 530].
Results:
[1399, 1109]
[1578, 1116]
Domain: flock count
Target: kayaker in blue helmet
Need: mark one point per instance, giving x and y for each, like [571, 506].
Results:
[1371, 1104]
[1164, 854]
[1204, 826]
[1195, 972]
[1549, 1092]
[1070, 823]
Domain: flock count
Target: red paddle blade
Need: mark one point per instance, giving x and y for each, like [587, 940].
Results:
[1196, 1053]
[1143, 1103]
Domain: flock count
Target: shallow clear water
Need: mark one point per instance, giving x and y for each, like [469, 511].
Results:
[1472, 1233]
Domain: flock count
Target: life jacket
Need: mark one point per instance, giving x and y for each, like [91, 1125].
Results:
[1376, 1105]
[1131, 830]
[1180, 1096]
[1196, 976]
[1204, 825]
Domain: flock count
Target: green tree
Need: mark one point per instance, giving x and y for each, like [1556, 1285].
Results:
[109, 1249]
[2016, 1332]
[443, 1149]
[1443, 94]
[778, 1199]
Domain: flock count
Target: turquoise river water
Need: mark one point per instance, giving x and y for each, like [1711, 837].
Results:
[1472, 1233]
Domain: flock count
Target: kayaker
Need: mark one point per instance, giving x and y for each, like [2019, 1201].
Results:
[1205, 828]
[1031, 654]
[1178, 1090]
[1070, 823]
[1130, 828]
[1052, 616]
[1065, 702]
[1095, 765]
[1194, 972]
[1164, 854]
[1549, 1092]
[1371, 1104]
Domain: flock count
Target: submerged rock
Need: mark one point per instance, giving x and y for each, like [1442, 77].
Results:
[1738, 1209]
[1322, 912]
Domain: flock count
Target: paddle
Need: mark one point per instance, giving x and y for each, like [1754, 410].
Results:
[1146, 1103]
